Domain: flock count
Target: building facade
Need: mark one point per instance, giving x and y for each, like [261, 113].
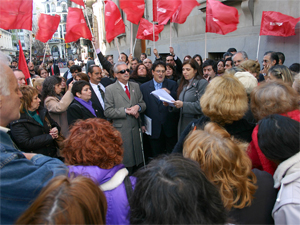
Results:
[6, 44]
[189, 38]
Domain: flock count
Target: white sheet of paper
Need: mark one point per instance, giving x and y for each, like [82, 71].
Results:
[162, 95]
[148, 125]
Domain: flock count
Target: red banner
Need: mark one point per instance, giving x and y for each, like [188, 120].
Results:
[220, 18]
[145, 31]
[16, 14]
[277, 24]
[22, 65]
[134, 9]
[47, 27]
[184, 11]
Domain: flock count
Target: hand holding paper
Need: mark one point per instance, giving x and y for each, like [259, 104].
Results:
[162, 95]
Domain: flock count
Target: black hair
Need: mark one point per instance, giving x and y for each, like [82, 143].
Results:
[157, 63]
[144, 55]
[174, 190]
[229, 59]
[78, 85]
[123, 53]
[91, 68]
[278, 137]
[281, 56]
[68, 64]
[135, 59]
[295, 67]
[210, 62]
[48, 87]
[231, 50]
[274, 56]
[227, 54]
[74, 68]
[197, 55]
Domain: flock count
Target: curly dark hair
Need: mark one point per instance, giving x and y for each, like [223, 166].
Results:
[135, 75]
[48, 87]
[93, 142]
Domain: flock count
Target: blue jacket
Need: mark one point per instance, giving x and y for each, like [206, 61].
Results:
[160, 114]
[22, 179]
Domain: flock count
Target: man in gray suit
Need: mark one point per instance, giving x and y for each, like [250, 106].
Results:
[123, 104]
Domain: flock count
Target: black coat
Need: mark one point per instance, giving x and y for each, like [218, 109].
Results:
[32, 137]
[55, 69]
[160, 114]
[77, 111]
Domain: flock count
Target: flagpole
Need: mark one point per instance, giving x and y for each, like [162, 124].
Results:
[134, 44]
[116, 40]
[46, 45]
[153, 35]
[258, 47]
[131, 34]
[30, 44]
[205, 47]
[170, 34]
[87, 18]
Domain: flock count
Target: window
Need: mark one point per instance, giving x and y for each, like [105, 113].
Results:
[48, 8]
[53, 8]
[64, 7]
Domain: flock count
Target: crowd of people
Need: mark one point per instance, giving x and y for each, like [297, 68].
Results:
[97, 147]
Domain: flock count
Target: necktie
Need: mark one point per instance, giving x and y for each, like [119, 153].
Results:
[101, 92]
[127, 92]
[52, 70]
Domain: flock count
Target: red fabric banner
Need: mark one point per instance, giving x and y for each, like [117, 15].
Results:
[145, 31]
[76, 26]
[78, 2]
[114, 24]
[184, 11]
[277, 24]
[166, 9]
[16, 14]
[47, 27]
[22, 65]
[134, 9]
[220, 18]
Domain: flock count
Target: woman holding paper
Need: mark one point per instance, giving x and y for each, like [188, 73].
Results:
[190, 90]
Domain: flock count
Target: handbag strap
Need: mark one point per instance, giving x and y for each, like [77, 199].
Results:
[128, 187]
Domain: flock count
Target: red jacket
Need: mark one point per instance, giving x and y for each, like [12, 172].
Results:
[258, 159]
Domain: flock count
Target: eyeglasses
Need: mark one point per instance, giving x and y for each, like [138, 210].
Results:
[160, 71]
[124, 71]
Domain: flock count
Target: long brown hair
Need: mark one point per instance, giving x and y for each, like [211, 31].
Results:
[67, 201]
[225, 163]
[198, 76]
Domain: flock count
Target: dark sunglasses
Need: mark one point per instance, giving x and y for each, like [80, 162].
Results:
[124, 71]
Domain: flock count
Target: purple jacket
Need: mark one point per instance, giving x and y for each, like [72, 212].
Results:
[112, 183]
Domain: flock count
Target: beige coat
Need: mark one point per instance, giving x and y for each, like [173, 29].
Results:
[58, 110]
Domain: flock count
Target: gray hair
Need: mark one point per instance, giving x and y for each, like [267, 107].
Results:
[5, 59]
[4, 77]
[244, 54]
[118, 64]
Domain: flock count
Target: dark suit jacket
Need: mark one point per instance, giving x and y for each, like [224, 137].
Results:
[56, 70]
[96, 103]
[106, 64]
[160, 114]
[77, 111]
[66, 74]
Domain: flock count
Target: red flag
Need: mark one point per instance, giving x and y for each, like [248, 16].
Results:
[47, 27]
[154, 8]
[183, 11]
[16, 14]
[22, 63]
[277, 24]
[76, 26]
[166, 9]
[78, 2]
[220, 18]
[134, 9]
[114, 24]
[145, 30]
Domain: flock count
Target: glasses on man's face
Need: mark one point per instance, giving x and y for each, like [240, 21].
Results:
[160, 71]
[265, 61]
[124, 71]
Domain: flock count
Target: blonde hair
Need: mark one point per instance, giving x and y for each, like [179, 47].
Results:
[225, 163]
[251, 66]
[225, 100]
[37, 82]
[296, 84]
[273, 97]
[283, 73]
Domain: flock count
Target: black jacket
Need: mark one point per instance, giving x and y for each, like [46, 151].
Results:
[77, 111]
[32, 137]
